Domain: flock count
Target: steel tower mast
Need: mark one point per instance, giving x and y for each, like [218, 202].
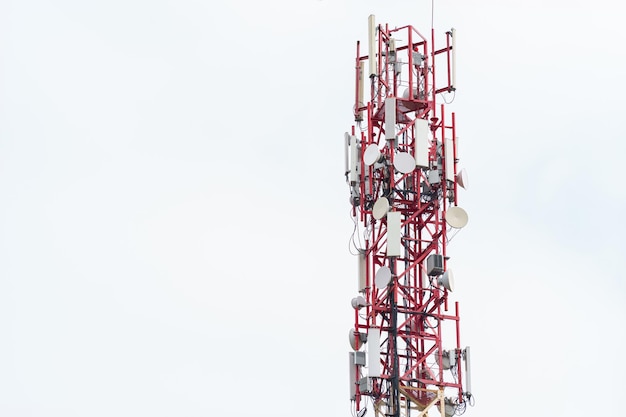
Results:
[401, 168]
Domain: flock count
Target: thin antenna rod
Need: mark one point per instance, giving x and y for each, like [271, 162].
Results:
[432, 14]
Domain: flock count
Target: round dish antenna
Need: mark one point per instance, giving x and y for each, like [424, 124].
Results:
[356, 339]
[404, 162]
[371, 154]
[456, 217]
[381, 207]
[358, 302]
[383, 277]
[461, 179]
[447, 280]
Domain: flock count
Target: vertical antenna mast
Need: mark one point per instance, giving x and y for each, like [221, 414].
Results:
[403, 179]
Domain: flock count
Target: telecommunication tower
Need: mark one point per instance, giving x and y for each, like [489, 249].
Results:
[401, 168]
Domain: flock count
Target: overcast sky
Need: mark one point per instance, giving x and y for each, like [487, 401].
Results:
[174, 219]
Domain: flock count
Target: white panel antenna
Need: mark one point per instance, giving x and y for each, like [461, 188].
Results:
[422, 143]
[373, 352]
[390, 118]
[362, 275]
[353, 370]
[346, 152]
[468, 370]
[393, 233]
[449, 159]
[371, 26]
[354, 160]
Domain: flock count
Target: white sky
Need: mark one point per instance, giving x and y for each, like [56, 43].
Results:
[174, 219]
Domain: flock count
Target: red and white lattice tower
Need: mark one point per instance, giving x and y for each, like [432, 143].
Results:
[401, 168]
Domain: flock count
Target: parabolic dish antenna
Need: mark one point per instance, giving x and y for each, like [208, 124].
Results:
[354, 340]
[358, 302]
[461, 179]
[456, 217]
[404, 162]
[371, 154]
[381, 207]
[382, 278]
[447, 280]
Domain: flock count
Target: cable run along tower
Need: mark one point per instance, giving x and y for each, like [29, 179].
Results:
[401, 169]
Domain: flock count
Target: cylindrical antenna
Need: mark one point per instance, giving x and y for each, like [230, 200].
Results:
[372, 45]
[453, 69]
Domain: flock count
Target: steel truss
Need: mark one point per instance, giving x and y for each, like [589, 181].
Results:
[410, 314]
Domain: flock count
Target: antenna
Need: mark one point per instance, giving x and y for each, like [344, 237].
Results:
[381, 207]
[462, 180]
[453, 63]
[371, 154]
[404, 194]
[404, 162]
[456, 217]
[383, 277]
[372, 45]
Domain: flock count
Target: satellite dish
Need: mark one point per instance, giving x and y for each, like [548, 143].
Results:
[382, 278]
[404, 162]
[381, 207]
[358, 302]
[447, 280]
[456, 217]
[371, 154]
[461, 178]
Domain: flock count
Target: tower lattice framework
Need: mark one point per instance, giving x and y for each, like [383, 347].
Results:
[401, 168]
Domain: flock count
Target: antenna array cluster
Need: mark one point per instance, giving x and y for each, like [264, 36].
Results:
[401, 166]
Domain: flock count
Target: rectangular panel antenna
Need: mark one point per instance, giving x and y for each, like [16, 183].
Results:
[393, 233]
[362, 276]
[390, 118]
[449, 159]
[353, 369]
[373, 352]
[354, 161]
[372, 45]
[468, 376]
[422, 143]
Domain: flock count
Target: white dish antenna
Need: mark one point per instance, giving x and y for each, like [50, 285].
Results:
[404, 162]
[456, 217]
[380, 209]
[357, 339]
[461, 179]
[371, 154]
[358, 302]
[447, 280]
[383, 277]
